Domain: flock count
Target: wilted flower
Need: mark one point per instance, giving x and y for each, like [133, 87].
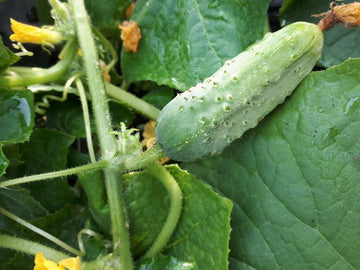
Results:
[150, 138]
[348, 15]
[130, 34]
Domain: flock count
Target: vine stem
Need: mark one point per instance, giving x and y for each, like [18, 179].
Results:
[172, 187]
[108, 145]
[29, 76]
[40, 232]
[29, 247]
[86, 115]
[43, 176]
[132, 101]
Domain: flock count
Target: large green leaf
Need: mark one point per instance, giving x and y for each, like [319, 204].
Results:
[19, 202]
[339, 42]
[107, 16]
[16, 115]
[185, 41]
[47, 151]
[164, 263]
[294, 179]
[202, 234]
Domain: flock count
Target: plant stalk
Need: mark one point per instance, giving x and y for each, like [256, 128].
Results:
[40, 232]
[108, 145]
[43, 176]
[29, 247]
[132, 101]
[172, 219]
[30, 76]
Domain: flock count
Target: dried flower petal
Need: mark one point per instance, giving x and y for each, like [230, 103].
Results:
[105, 74]
[129, 10]
[348, 15]
[150, 139]
[130, 34]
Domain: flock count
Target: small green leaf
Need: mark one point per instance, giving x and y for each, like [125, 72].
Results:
[294, 179]
[202, 234]
[340, 43]
[7, 57]
[185, 41]
[164, 263]
[16, 115]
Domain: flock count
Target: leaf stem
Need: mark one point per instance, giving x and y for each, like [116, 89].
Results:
[132, 101]
[172, 219]
[145, 159]
[37, 177]
[29, 247]
[86, 115]
[108, 146]
[29, 76]
[40, 232]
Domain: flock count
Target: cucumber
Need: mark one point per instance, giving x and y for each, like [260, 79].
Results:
[205, 119]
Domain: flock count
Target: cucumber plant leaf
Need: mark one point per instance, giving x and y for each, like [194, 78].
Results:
[202, 234]
[16, 115]
[185, 41]
[46, 151]
[340, 43]
[294, 179]
[164, 263]
[105, 17]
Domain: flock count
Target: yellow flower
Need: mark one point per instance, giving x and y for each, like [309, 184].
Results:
[71, 263]
[25, 33]
[41, 263]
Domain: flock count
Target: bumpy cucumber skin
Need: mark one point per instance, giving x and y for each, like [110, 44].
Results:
[205, 119]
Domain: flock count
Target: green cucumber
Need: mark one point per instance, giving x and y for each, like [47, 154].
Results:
[205, 119]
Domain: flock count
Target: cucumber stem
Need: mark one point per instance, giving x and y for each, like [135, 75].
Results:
[108, 145]
[30, 76]
[172, 187]
[41, 232]
[44, 176]
[29, 247]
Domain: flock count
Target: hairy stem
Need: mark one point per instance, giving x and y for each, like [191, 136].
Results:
[39, 231]
[29, 247]
[86, 115]
[43, 176]
[108, 145]
[145, 159]
[172, 219]
[30, 76]
[132, 101]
